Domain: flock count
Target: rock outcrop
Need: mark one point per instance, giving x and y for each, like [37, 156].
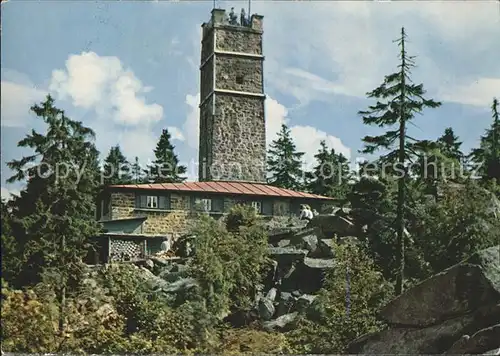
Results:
[301, 253]
[456, 311]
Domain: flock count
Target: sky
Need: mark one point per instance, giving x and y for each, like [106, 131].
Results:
[129, 69]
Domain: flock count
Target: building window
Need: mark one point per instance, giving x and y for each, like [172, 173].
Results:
[239, 79]
[203, 205]
[105, 208]
[257, 205]
[152, 202]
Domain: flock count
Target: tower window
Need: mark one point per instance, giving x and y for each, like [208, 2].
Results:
[239, 79]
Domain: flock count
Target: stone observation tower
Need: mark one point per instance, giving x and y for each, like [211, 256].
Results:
[232, 124]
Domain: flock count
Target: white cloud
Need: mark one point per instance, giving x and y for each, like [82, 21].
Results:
[191, 126]
[137, 142]
[480, 92]
[347, 47]
[7, 193]
[176, 133]
[306, 138]
[276, 115]
[16, 100]
[102, 84]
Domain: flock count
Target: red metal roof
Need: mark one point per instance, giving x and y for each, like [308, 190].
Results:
[233, 188]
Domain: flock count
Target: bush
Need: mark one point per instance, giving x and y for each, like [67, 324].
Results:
[347, 306]
[228, 264]
[241, 215]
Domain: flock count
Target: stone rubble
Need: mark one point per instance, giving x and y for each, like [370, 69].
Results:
[300, 253]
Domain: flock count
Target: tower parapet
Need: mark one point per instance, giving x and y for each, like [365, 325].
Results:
[221, 18]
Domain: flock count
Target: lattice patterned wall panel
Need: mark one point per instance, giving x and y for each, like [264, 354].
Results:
[126, 249]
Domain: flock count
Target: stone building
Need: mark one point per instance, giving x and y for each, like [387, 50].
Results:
[137, 219]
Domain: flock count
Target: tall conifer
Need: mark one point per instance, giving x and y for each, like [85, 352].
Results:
[397, 101]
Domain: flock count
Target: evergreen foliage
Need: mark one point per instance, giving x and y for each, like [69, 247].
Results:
[398, 100]
[116, 168]
[331, 175]
[165, 168]
[342, 314]
[487, 156]
[284, 162]
[54, 216]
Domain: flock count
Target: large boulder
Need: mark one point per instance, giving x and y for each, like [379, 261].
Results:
[325, 249]
[331, 225]
[286, 303]
[458, 290]
[482, 341]
[433, 339]
[281, 323]
[286, 255]
[311, 274]
[266, 309]
[455, 311]
[306, 239]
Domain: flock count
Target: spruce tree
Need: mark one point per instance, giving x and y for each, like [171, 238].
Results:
[116, 168]
[284, 162]
[487, 156]
[398, 100]
[166, 168]
[331, 174]
[55, 214]
[137, 173]
[439, 161]
[450, 145]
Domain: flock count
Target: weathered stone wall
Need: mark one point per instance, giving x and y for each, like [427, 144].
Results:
[239, 139]
[207, 46]
[207, 79]
[158, 222]
[241, 40]
[229, 68]
[122, 205]
[281, 207]
[206, 142]
[180, 202]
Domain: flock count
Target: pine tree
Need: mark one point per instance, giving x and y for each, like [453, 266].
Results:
[331, 175]
[488, 154]
[116, 168]
[398, 99]
[138, 176]
[284, 162]
[450, 145]
[55, 215]
[166, 168]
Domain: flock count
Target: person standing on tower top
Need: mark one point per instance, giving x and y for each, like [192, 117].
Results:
[233, 19]
[243, 18]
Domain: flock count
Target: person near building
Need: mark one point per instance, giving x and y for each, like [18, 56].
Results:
[306, 213]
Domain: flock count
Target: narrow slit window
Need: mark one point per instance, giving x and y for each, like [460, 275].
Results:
[239, 79]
